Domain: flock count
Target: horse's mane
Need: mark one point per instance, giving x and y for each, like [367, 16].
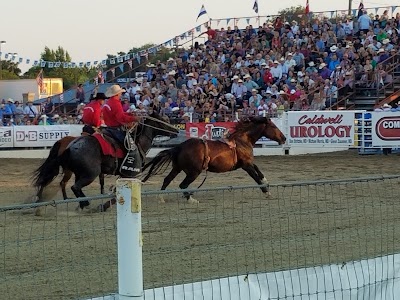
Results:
[245, 125]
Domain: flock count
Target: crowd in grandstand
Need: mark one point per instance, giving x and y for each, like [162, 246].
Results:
[277, 67]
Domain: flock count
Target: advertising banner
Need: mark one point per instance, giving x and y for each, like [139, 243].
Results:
[215, 131]
[321, 128]
[6, 137]
[43, 136]
[385, 129]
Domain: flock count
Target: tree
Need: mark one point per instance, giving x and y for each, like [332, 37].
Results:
[9, 69]
[294, 13]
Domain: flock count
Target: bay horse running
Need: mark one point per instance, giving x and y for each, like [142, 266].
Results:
[85, 159]
[196, 155]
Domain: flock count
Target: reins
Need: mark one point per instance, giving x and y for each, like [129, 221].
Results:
[161, 122]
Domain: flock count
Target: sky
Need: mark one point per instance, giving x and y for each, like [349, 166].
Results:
[91, 29]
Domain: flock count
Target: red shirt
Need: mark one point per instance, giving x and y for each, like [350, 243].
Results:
[211, 33]
[92, 114]
[268, 77]
[114, 115]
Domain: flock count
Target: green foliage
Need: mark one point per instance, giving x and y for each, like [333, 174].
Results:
[296, 13]
[9, 69]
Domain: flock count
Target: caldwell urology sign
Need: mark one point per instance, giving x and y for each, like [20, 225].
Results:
[386, 129]
[321, 128]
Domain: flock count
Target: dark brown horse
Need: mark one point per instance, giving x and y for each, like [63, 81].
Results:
[63, 144]
[196, 155]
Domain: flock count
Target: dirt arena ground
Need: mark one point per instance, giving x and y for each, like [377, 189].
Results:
[68, 255]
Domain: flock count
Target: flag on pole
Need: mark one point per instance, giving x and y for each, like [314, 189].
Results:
[39, 80]
[255, 6]
[202, 12]
[360, 9]
[307, 7]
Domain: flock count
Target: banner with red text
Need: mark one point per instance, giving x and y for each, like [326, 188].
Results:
[320, 128]
[385, 129]
[215, 131]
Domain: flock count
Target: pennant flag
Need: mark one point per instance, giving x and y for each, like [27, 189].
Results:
[354, 12]
[112, 61]
[218, 22]
[130, 64]
[20, 60]
[332, 12]
[120, 59]
[80, 64]
[198, 28]
[13, 57]
[95, 62]
[360, 9]
[121, 67]
[138, 58]
[43, 64]
[73, 65]
[61, 98]
[88, 64]
[376, 10]
[50, 64]
[393, 8]
[65, 65]
[307, 10]
[57, 64]
[202, 12]
[235, 21]
[39, 80]
[0, 53]
[113, 72]
[248, 21]
[6, 56]
[227, 21]
[255, 6]
[28, 61]
[127, 57]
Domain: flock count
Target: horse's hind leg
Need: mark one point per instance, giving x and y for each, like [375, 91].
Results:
[167, 180]
[63, 183]
[186, 182]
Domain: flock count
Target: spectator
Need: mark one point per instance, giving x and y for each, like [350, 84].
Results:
[80, 94]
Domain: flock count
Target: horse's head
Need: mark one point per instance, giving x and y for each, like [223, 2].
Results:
[270, 130]
[160, 126]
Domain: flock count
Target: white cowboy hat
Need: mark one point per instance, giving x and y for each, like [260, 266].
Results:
[292, 80]
[170, 59]
[247, 76]
[300, 74]
[333, 48]
[276, 62]
[386, 41]
[240, 80]
[235, 77]
[172, 73]
[114, 90]
[311, 64]
[190, 75]
[254, 90]
[290, 54]
[381, 50]
[292, 92]
[322, 65]
[175, 109]
[186, 115]
[10, 100]
[56, 116]
[386, 105]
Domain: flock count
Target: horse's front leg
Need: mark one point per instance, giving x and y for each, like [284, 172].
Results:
[251, 170]
[260, 174]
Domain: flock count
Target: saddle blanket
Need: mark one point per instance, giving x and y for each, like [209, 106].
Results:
[107, 148]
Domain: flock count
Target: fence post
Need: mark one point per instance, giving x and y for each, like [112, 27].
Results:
[129, 232]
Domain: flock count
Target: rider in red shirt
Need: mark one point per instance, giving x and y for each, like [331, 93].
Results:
[92, 113]
[115, 117]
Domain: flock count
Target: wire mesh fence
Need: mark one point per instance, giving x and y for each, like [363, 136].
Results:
[232, 231]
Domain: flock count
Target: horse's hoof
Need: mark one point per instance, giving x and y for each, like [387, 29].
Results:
[191, 200]
[39, 211]
[268, 194]
[161, 199]
[264, 180]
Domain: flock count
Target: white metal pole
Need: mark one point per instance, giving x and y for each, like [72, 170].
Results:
[129, 231]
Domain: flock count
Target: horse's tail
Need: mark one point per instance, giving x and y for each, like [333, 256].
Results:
[49, 169]
[162, 159]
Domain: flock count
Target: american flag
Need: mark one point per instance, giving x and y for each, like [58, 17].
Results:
[39, 80]
[307, 11]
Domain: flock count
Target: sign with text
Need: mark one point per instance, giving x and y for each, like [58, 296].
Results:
[6, 137]
[43, 136]
[385, 129]
[215, 131]
[321, 128]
